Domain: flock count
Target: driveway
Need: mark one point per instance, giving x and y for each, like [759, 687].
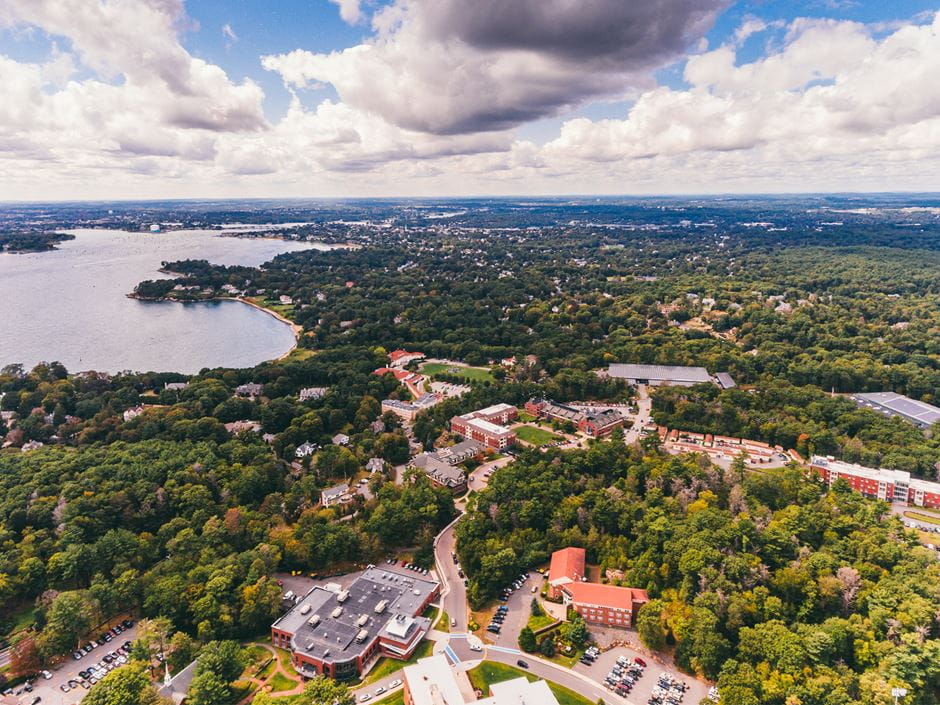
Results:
[478, 481]
[642, 418]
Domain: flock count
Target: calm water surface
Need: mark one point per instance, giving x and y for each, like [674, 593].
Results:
[70, 305]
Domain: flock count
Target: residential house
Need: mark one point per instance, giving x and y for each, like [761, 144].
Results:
[341, 439]
[308, 393]
[250, 390]
[339, 494]
[306, 449]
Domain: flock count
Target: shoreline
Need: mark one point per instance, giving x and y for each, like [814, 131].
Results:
[295, 328]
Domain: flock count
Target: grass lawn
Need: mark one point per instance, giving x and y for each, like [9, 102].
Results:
[241, 690]
[443, 624]
[298, 354]
[474, 374]
[926, 518]
[491, 672]
[279, 683]
[396, 699]
[22, 618]
[540, 622]
[525, 416]
[567, 661]
[534, 435]
[388, 666]
[283, 656]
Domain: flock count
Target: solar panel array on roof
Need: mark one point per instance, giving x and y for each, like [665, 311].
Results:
[916, 412]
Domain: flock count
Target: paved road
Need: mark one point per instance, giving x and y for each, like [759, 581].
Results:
[899, 509]
[454, 598]
[644, 409]
[581, 684]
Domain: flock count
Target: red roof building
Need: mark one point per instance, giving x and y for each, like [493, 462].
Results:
[400, 358]
[605, 605]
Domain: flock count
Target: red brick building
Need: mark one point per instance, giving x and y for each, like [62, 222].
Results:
[487, 426]
[604, 605]
[879, 483]
[340, 632]
[592, 422]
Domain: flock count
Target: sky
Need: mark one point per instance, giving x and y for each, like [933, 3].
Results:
[128, 99]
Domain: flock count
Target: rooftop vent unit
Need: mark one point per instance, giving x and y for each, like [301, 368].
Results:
[342, 596]
[305, 609]
[314, 620]
[363, 619]
[380, 608]
[337, 612]
[362, 635]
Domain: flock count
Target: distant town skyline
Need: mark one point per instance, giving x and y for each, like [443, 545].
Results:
[344, 98]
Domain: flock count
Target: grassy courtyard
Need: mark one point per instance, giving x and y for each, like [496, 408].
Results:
[388, 666]
[490, 672]
[473, 374]
[535, 435]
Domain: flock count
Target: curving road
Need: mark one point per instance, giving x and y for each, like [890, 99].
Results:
[456, 644]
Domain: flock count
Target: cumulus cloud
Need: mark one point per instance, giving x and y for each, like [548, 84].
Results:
[831, 90]
[431, 102]
[349, 10]
[135, 40]
[453, 67]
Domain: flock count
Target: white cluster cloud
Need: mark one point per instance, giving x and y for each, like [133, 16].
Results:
[832, 90]
[432, 102]
[457, 67]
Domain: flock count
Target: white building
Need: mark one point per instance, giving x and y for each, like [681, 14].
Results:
[433, 681]
[305, 449]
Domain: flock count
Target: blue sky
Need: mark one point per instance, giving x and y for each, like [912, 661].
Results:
[485, 93]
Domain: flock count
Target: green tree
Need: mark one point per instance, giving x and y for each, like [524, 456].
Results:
[321, 690]
[649, 625]
[208, 688]
[127, 685]
[69, 617]
[527, 640]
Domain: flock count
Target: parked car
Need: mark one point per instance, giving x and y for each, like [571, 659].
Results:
[522, 664]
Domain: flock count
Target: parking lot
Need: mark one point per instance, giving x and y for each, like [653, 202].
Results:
[50, 690]
[642, 690]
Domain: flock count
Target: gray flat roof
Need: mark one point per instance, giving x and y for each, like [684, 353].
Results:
[334, 638]
[725, 380]
[672, 373]
[917, 412]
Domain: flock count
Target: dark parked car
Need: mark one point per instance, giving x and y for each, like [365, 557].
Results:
[522, 664]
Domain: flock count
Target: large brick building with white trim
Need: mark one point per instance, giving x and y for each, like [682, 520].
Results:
[879, 483]
[603, 605]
